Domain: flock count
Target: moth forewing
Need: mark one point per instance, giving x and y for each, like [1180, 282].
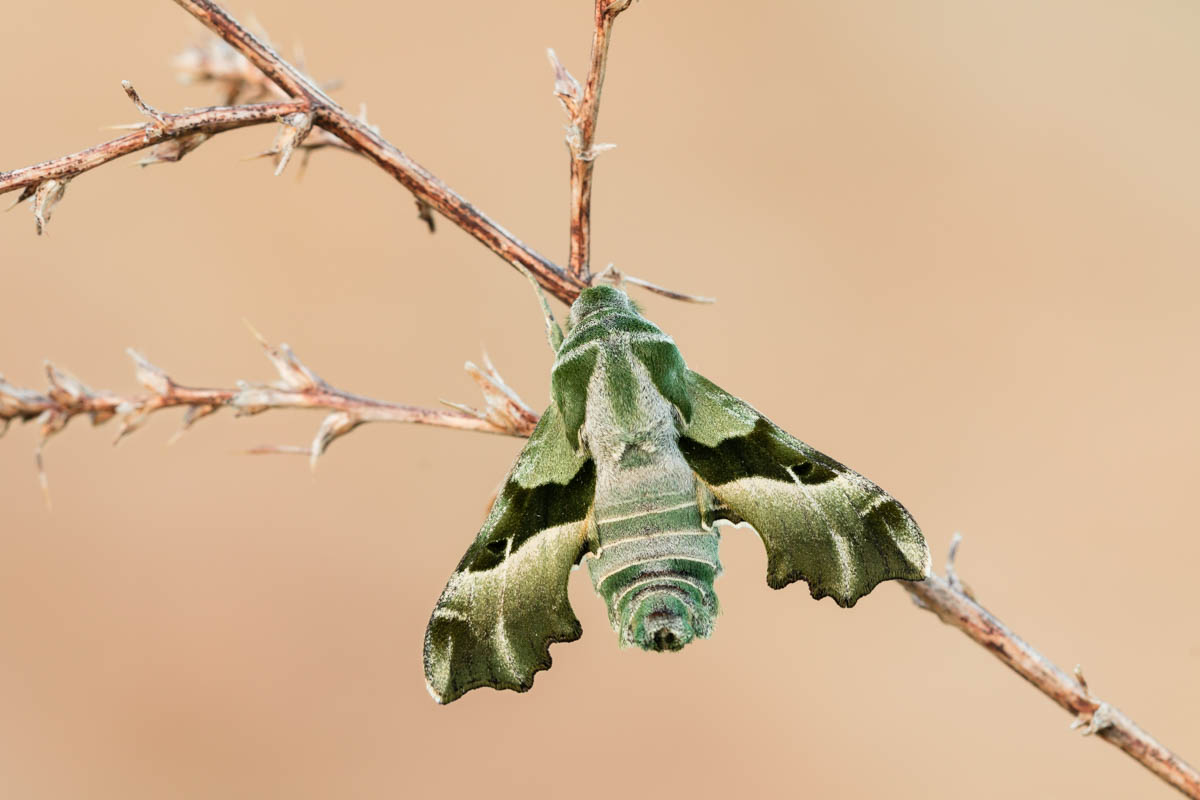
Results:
[506, 603]
[820, 521]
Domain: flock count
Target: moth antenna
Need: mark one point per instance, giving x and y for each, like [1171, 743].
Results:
[553, 332]
[614, 276]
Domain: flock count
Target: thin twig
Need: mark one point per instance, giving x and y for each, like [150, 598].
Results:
[298, 387]
[583, 110]
[429, 190]
[620, 279]
[947, 598]
[169, 134]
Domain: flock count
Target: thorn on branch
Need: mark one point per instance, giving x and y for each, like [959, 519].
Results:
[425, 214]
[952, 577]
[161, 121]
[294, 374]
[294, 130]
[596, 150]
[951, 556]
[1099, 718]
[333, 427]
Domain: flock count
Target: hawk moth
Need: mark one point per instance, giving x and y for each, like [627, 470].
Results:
[633, 463]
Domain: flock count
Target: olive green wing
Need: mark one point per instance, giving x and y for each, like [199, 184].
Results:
[506, 602]
[820, 521]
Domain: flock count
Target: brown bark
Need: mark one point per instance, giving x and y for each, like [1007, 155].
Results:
[357, 135]
[948, 599]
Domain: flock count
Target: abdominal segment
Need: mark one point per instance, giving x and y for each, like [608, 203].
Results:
[655, 567]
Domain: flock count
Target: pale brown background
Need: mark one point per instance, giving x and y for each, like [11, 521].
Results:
[954, 244]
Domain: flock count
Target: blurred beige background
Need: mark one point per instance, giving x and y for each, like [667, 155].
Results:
[954, 244]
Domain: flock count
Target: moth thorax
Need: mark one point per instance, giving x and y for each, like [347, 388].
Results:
[662, 603]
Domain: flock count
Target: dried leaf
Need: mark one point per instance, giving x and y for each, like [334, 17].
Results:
[45, 198]
[504, 408]
[152, 377]
[566, 88]
[333, 427]
[294, 129]
[596, 150]
[65, 387]
[425, 213]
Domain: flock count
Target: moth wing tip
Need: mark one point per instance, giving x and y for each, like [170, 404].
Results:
[437, 698]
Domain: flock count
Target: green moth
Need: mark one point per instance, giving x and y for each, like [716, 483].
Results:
[634, 462]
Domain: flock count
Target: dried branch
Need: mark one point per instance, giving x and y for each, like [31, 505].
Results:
[950, 601]
[307, 109]
[430, 192]
[582, 105]
[311, 120]
[171, 136]
[298, 387]
[46, 182]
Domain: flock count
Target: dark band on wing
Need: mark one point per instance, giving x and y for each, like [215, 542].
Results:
[760, 454]
[527, 512]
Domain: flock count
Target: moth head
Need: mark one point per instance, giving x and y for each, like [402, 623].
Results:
[596, 299]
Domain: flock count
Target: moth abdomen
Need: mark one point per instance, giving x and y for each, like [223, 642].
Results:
[659, 587]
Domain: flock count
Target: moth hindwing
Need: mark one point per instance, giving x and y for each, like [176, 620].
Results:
[634, 461]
